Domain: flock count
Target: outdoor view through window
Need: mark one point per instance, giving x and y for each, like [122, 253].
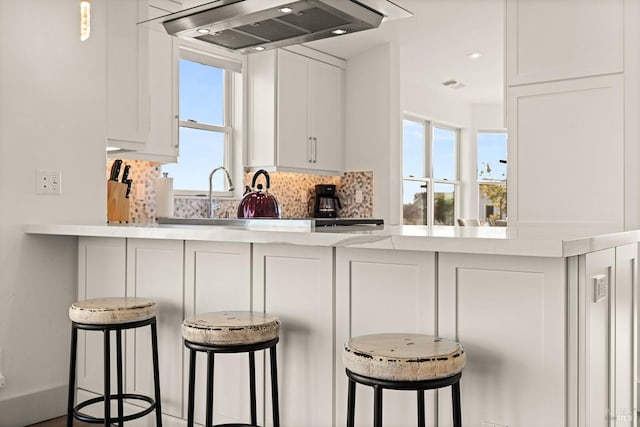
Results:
[492, 176]
[430, 173]
[202, 127]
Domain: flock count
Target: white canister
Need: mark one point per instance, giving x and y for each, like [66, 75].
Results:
[164, 196]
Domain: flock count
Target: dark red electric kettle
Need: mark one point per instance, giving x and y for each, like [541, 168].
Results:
[257, 203]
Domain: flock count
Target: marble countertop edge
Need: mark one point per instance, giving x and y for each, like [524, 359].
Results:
[471, 240]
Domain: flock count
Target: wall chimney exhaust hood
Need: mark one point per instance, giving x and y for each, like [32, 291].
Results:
[248, 26]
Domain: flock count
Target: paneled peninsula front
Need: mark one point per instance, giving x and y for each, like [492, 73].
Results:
[548, 322]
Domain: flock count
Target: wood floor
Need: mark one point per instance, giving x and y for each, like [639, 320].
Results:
[60, 422]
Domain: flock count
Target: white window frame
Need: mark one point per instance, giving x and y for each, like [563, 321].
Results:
[479, 182]
[228, 65]
[428, 166]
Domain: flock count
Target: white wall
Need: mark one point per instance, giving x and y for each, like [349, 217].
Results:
[52, 116]
[373, 125]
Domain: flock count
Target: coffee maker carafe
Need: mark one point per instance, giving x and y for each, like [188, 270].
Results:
[327, 203]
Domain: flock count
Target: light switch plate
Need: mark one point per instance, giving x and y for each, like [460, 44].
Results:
[600, 287]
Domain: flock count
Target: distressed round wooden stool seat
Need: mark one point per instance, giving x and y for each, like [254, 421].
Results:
[104, 311]
[231, 332]
[402, 361]
[403, 357]
[231, 328]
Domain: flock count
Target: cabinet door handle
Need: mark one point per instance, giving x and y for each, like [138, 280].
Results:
[315, 149]
[310, 150]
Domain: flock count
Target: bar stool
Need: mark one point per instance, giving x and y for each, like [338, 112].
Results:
[400, 361]
[231, 332]
[106, 315]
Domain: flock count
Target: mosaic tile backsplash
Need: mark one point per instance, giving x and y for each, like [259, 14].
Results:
[294, 192]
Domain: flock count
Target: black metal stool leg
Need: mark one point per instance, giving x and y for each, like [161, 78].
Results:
[457, 412]
[252, 388]
[351, 404]
[119, 375]
[72, 375]
[421, 416]
[274, 387]
[377, 406]
[192, 387]
[210, 367]
[156, 372]
[107, 379]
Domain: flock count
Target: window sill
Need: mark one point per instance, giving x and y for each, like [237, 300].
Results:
[200, 196]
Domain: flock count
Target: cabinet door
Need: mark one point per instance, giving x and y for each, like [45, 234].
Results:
[382, 291]
[294, 143]
[127, 74]
[551, 123]
[218, 278]
[509, 313]
[155, 270]
[295, 283]
[101, 273]
[325, 116]
[580, 38]
[162, 144]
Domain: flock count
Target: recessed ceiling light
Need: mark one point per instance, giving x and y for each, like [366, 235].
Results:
[204, 30]
[339, 32]
[286, 10]
[259, 48]
[474, 55]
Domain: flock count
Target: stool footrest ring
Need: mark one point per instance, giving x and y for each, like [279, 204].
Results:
[100, 399]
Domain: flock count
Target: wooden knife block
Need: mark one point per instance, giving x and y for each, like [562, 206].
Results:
[117, 202]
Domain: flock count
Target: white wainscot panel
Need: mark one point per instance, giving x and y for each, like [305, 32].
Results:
[218, 278]
[381, 291]
[508, 313]
[295, 283]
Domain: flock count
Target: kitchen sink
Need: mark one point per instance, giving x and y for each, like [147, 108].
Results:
[285, 224]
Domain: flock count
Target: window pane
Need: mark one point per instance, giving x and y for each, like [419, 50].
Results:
[414, 209]
[201, 93]
[200, 152]
[492, 202]
[444, 204]
[413, 148]
[492, 147]
[444, 154]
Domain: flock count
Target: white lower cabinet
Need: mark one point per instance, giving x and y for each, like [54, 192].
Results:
[218, 278]
[101, 273]
[155, 270]
[295, 283]
[382, 291]
[549, 341]
[509, 314]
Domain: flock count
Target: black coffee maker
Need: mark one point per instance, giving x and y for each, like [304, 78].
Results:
[327, 203]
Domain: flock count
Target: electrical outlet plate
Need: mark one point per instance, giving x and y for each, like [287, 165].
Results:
[599, 287]
[48, 182]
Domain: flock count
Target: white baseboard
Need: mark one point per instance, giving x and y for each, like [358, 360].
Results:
[32, 408]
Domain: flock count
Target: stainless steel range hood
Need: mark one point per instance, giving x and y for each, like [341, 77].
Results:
[248, 26]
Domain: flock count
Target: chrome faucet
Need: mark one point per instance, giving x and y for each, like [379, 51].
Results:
[226, 172]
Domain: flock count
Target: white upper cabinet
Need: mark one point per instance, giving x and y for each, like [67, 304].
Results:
[294, 113]
[554, 40]
[127, 74]
[163, 54]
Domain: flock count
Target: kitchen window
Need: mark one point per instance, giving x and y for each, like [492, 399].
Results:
[492, 176]
[206, 95]
[430, 172]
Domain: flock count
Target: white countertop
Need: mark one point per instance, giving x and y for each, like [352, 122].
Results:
[537, 242]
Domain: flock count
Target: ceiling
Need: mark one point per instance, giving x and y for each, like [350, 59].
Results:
[434, 45]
